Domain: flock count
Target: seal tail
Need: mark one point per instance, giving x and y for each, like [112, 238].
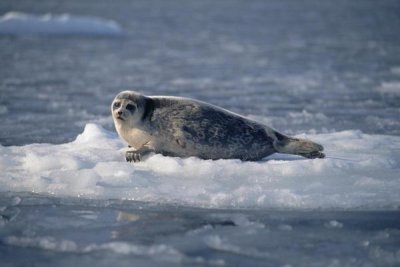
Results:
[302, 147]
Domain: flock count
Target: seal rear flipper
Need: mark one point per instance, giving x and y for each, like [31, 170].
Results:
[297, 146]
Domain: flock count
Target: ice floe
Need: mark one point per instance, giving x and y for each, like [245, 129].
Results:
[360, 171]
[16, 23]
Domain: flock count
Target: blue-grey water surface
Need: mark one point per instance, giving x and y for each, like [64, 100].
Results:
[300, 66]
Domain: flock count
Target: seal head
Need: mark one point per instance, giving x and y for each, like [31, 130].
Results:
[128, 111]
[127, 108]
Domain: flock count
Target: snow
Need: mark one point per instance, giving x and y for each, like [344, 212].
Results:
[16, 23]
[360, 171]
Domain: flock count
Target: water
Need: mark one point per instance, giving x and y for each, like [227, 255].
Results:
[279, 60]
[74, 231]
[330, 70]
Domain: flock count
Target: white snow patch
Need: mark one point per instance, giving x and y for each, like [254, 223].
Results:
[333, 224]
[360, 171]
[390, 87]
[16, 23]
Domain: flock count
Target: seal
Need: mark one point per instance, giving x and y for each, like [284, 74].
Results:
[184, 127]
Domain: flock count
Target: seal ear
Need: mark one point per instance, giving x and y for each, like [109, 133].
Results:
[148, 108]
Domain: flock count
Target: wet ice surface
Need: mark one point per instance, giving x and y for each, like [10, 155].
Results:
[325, 70]
[66, 231]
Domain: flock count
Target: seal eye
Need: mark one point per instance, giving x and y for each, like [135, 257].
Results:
[130, 107]
[116, 105]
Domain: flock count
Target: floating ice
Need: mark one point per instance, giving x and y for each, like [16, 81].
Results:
[390, 88]
[361, 171]
[163, 252]
[15, 23]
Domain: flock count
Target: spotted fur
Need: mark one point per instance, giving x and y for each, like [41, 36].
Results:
[183, 127]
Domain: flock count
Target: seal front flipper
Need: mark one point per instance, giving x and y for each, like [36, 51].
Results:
[137, 155]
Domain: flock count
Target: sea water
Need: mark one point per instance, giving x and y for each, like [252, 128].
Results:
[325, 71]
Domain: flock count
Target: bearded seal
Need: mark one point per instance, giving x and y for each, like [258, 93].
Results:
[184, 127]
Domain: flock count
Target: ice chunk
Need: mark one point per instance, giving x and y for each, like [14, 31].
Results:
[47, 243]
[333, 224]
[161, 251]
[390, 88]
[215, 242]
[15, 23]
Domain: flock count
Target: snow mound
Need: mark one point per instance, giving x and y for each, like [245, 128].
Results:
[361, 171]
[15, 23]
